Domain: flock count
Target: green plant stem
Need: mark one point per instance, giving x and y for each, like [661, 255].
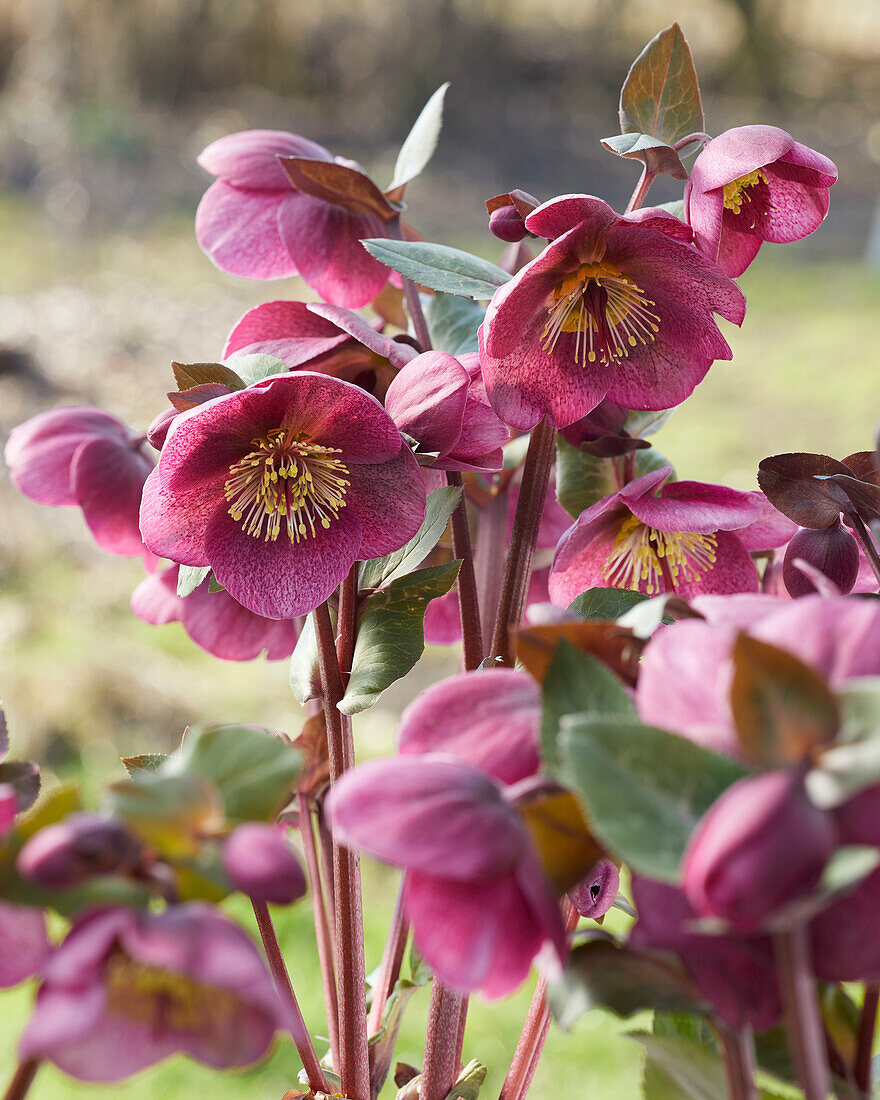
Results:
[641, 191]
[867, 1027]
[738, 1049]
[441, 1043]
[468, 599]
[22, 1080]
[803, 1020]
[392, 959]
[521, 552]
[354, 1058]
[298, 1029]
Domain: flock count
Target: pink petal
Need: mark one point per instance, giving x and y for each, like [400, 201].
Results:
[24, 944]
[107, 479]
[736, 248]
[238, 231]
[733, 571]
[173, 525]
[291, 322]
[250, 158]
[660, 377]
[397, 353]
[427, 400]
[155, 600]
[769, 530]
[482, 432]
[389, 500]
[652, 217]
[222, 627]
[582, 554]
[694, 506]
[554, 218]
[736, 153]
[795, 209]
[443, 620]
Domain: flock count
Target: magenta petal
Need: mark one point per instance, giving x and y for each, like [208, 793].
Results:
[389, 499]
[427, 813]
[736, 248]
[491, 719]
[426, 400]
[660, 377]
[238, 231]
[24, 944]
[583, 551]
[282, 579]
[107, 478]
[795, 209]
[324, 242]
[173, 525]
[398, 354]
[652, 217]
[557, 216]
[291, 322]
[250, 158]
[443, 620]
[769, 530]
[694, 506]
[594, 895]
[845, 945]
[222, 627]
[482, 432]
[733, 571]
[155, 600]
[736, 153]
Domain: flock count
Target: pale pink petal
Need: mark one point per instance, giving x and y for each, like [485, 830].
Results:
[769, 530]
[24, 944]
[288, 323]
[238, 231]
[250, 158]
[107, 480]
[427, 400]
[695, 506]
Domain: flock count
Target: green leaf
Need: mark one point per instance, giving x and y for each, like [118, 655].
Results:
[605, 603]
[643, 790]
[305, 676]
[254, 368]
[678, 1069]
[454, 323]
[439, 267]
[576, 683]
[582, 479]
[655, 154]
[214, 585]
[169, 812]
[641, 424]
[661, 94]
[253, 769]
[187, 375]
[419, 146]
[148, 762]
[189, 577]
[391, 635]
[440, 505]
[469, 1082]
[600, 974]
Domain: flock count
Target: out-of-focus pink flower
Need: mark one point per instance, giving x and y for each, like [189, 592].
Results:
[754, 184]
[280, 488]
[213, 620]
[480, 906]
[684, 536]
[438, 401]
[253, 222]
[594, 895]
[261, 865]
[126, 989]
[614, 306]
[76, 849]
[23, 943]
[490, 719]
[86, 457]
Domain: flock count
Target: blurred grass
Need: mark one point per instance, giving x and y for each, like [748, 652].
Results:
[84, 682]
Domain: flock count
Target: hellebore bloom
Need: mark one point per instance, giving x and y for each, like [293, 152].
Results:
[760, 845]
[126, 989]
[614, 306]
[754, 184]
[85, 456]
[261, 865]
[280, 488]
[683, 537]
[438, 401]
[490, 719]
[594, 895]
[213, 620]
[255, 223]
[76, 849]
[480, 906]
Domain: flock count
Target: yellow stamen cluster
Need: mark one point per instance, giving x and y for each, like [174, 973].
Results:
[642, 555]
[164, 998]
[605, 309]
[286, 483]
[736, 192]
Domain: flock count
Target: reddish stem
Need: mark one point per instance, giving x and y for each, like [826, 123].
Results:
[689, 139]
[317, 1080]
[346, 626]
[738, 1048]
[468, 600]
[803, 1020]
[863, 535]
[867, 1027]
[642, 188]
[22, 1079]
[491, 552]
[441, 1043]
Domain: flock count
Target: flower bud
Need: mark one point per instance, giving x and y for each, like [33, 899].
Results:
[507, 224]
[832, 550]
[261, 865]
[594, 895]
[76, 849]
[761, 845]
[158, 429]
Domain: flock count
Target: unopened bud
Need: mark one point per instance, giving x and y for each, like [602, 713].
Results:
[831, 550]
[507, 224]
[594, 895]
[261, 865]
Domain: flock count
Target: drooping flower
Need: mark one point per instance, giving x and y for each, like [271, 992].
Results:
[683, 536]
[614, 306]
[753, 184]
[480, 906]
[261, 865]
[84, 456]
[213, 620]
[280, 488]
[254, 222]
[126, 989]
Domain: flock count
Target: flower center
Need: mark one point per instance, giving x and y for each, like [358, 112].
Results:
[737, 192]
[657, 559]
[286, 482]
[164, 998]
[605, 310]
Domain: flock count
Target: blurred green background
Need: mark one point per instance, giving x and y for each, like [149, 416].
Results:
[104, 105]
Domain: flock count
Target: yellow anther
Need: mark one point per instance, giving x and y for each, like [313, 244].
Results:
[737, 191]
[642, 557]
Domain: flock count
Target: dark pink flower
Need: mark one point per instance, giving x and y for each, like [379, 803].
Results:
[76, 849]
[683, 536]
[126, 989]
[438, 401]
[213, 620]
[253, 222]
[261, 865]
[86, 457]
[614, 306]
[754, 184]
[280, 488]
[480, 906]
[594, 895]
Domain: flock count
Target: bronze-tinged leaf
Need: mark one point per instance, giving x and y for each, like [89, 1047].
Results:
[388, 304]
[789, 481]
[312, 744]
[658, 157]
[661, 94]
[338, 184]
[184, 400]
[521, 200]
[612, 644]
[782, 709]
[865, 465]
[187, 375]
[565, 844]
[863, 496]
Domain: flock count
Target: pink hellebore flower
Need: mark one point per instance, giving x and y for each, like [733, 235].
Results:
[614, 306]
[86, 457]
[754, 184]
[280, 488]
[480, 906]
[126, 989]
[684, 536]
[438, 401]
[213, 620]
[253, 222]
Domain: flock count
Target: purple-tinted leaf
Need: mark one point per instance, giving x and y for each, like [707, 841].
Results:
[187, 375]
[661, 94]
[862, 495]
[658, 157]
[789, 482]
[24, 778]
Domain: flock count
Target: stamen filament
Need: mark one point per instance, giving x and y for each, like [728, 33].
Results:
[641, 555]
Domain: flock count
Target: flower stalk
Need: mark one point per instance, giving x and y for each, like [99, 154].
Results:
[738, 1050]
[867, 1028]
[22, 1079]
[803, 1021]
